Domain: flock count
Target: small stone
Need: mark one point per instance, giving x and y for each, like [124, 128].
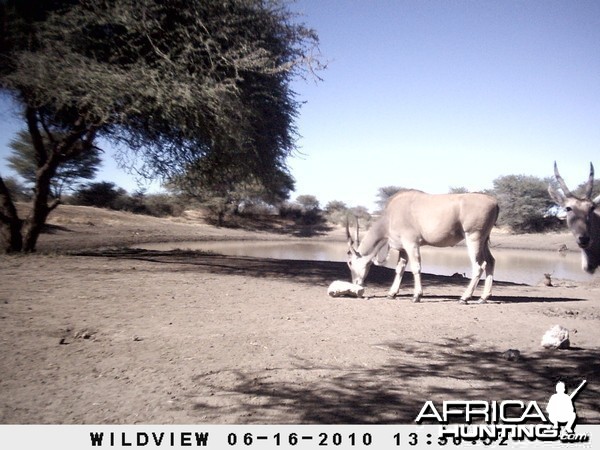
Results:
[343, 288]
[512, 355]
[556, 337]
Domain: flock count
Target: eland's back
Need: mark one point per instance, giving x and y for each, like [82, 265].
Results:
[440, 220]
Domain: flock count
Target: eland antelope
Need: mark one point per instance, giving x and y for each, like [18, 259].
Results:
[582, 218]
[412, 219]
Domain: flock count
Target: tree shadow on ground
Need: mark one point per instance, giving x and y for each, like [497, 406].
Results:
[52, 229]
[456, 370]
[393, 392]
[301, 271]
[276, 225]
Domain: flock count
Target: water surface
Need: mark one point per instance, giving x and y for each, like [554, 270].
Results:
[519, 266]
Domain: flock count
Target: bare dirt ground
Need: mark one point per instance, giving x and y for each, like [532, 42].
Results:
[94, 332]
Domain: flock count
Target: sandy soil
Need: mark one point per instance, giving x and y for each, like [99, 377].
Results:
[94, 332]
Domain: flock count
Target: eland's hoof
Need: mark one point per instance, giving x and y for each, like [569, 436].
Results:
[462, 301]
[416, 299]
[481, 301]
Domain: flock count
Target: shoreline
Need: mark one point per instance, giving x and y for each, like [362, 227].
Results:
[72, 227]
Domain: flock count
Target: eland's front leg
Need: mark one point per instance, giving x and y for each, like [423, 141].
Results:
[402, 260]
[415, 267]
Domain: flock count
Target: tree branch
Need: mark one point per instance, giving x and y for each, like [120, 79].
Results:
[36, 137]
[48, 133]
[53, 204]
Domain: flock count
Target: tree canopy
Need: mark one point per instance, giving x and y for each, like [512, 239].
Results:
[524, 202]
[171, 84]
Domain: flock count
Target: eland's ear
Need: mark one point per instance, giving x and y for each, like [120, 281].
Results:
[557, 196]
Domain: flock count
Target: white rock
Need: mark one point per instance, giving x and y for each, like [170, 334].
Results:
[343, 288]
[556, 337]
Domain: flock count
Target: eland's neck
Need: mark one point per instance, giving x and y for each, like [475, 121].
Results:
[592, 252]
[374, 240]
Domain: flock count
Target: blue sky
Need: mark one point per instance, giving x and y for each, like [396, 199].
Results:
[439, 94]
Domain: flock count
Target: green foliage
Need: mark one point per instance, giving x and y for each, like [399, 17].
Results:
[335, 205]
[174, 81]
[106, 194]
[157, 205]
[308, 203]
[102, 194]
[305, 210]
[339, 213]
[82, 165]
[358, 216]
[458, 190]
[176, 85]
[309, 210]
[227, 192]
[524, 203]
[336, 212]
[580, 190]
[17, 190]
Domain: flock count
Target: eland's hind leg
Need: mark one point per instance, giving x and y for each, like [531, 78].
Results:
[478, 264]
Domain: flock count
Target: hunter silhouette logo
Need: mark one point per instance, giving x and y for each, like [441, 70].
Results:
[507, 420]
[560, 407]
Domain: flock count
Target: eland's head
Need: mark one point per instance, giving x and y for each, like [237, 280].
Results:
[359, 264]
[582, 218]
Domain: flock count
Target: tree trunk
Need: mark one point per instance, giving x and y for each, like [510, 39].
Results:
[17, 235]
[34, 224]
[10, 224]
[47, 161]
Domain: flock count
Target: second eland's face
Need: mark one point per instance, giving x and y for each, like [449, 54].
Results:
[579, 220]
[582, 218]
[359, 267]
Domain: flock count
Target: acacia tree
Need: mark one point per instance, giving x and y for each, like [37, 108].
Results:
[524, 202]
[224, 186]
[168, 83]
[83, 164]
